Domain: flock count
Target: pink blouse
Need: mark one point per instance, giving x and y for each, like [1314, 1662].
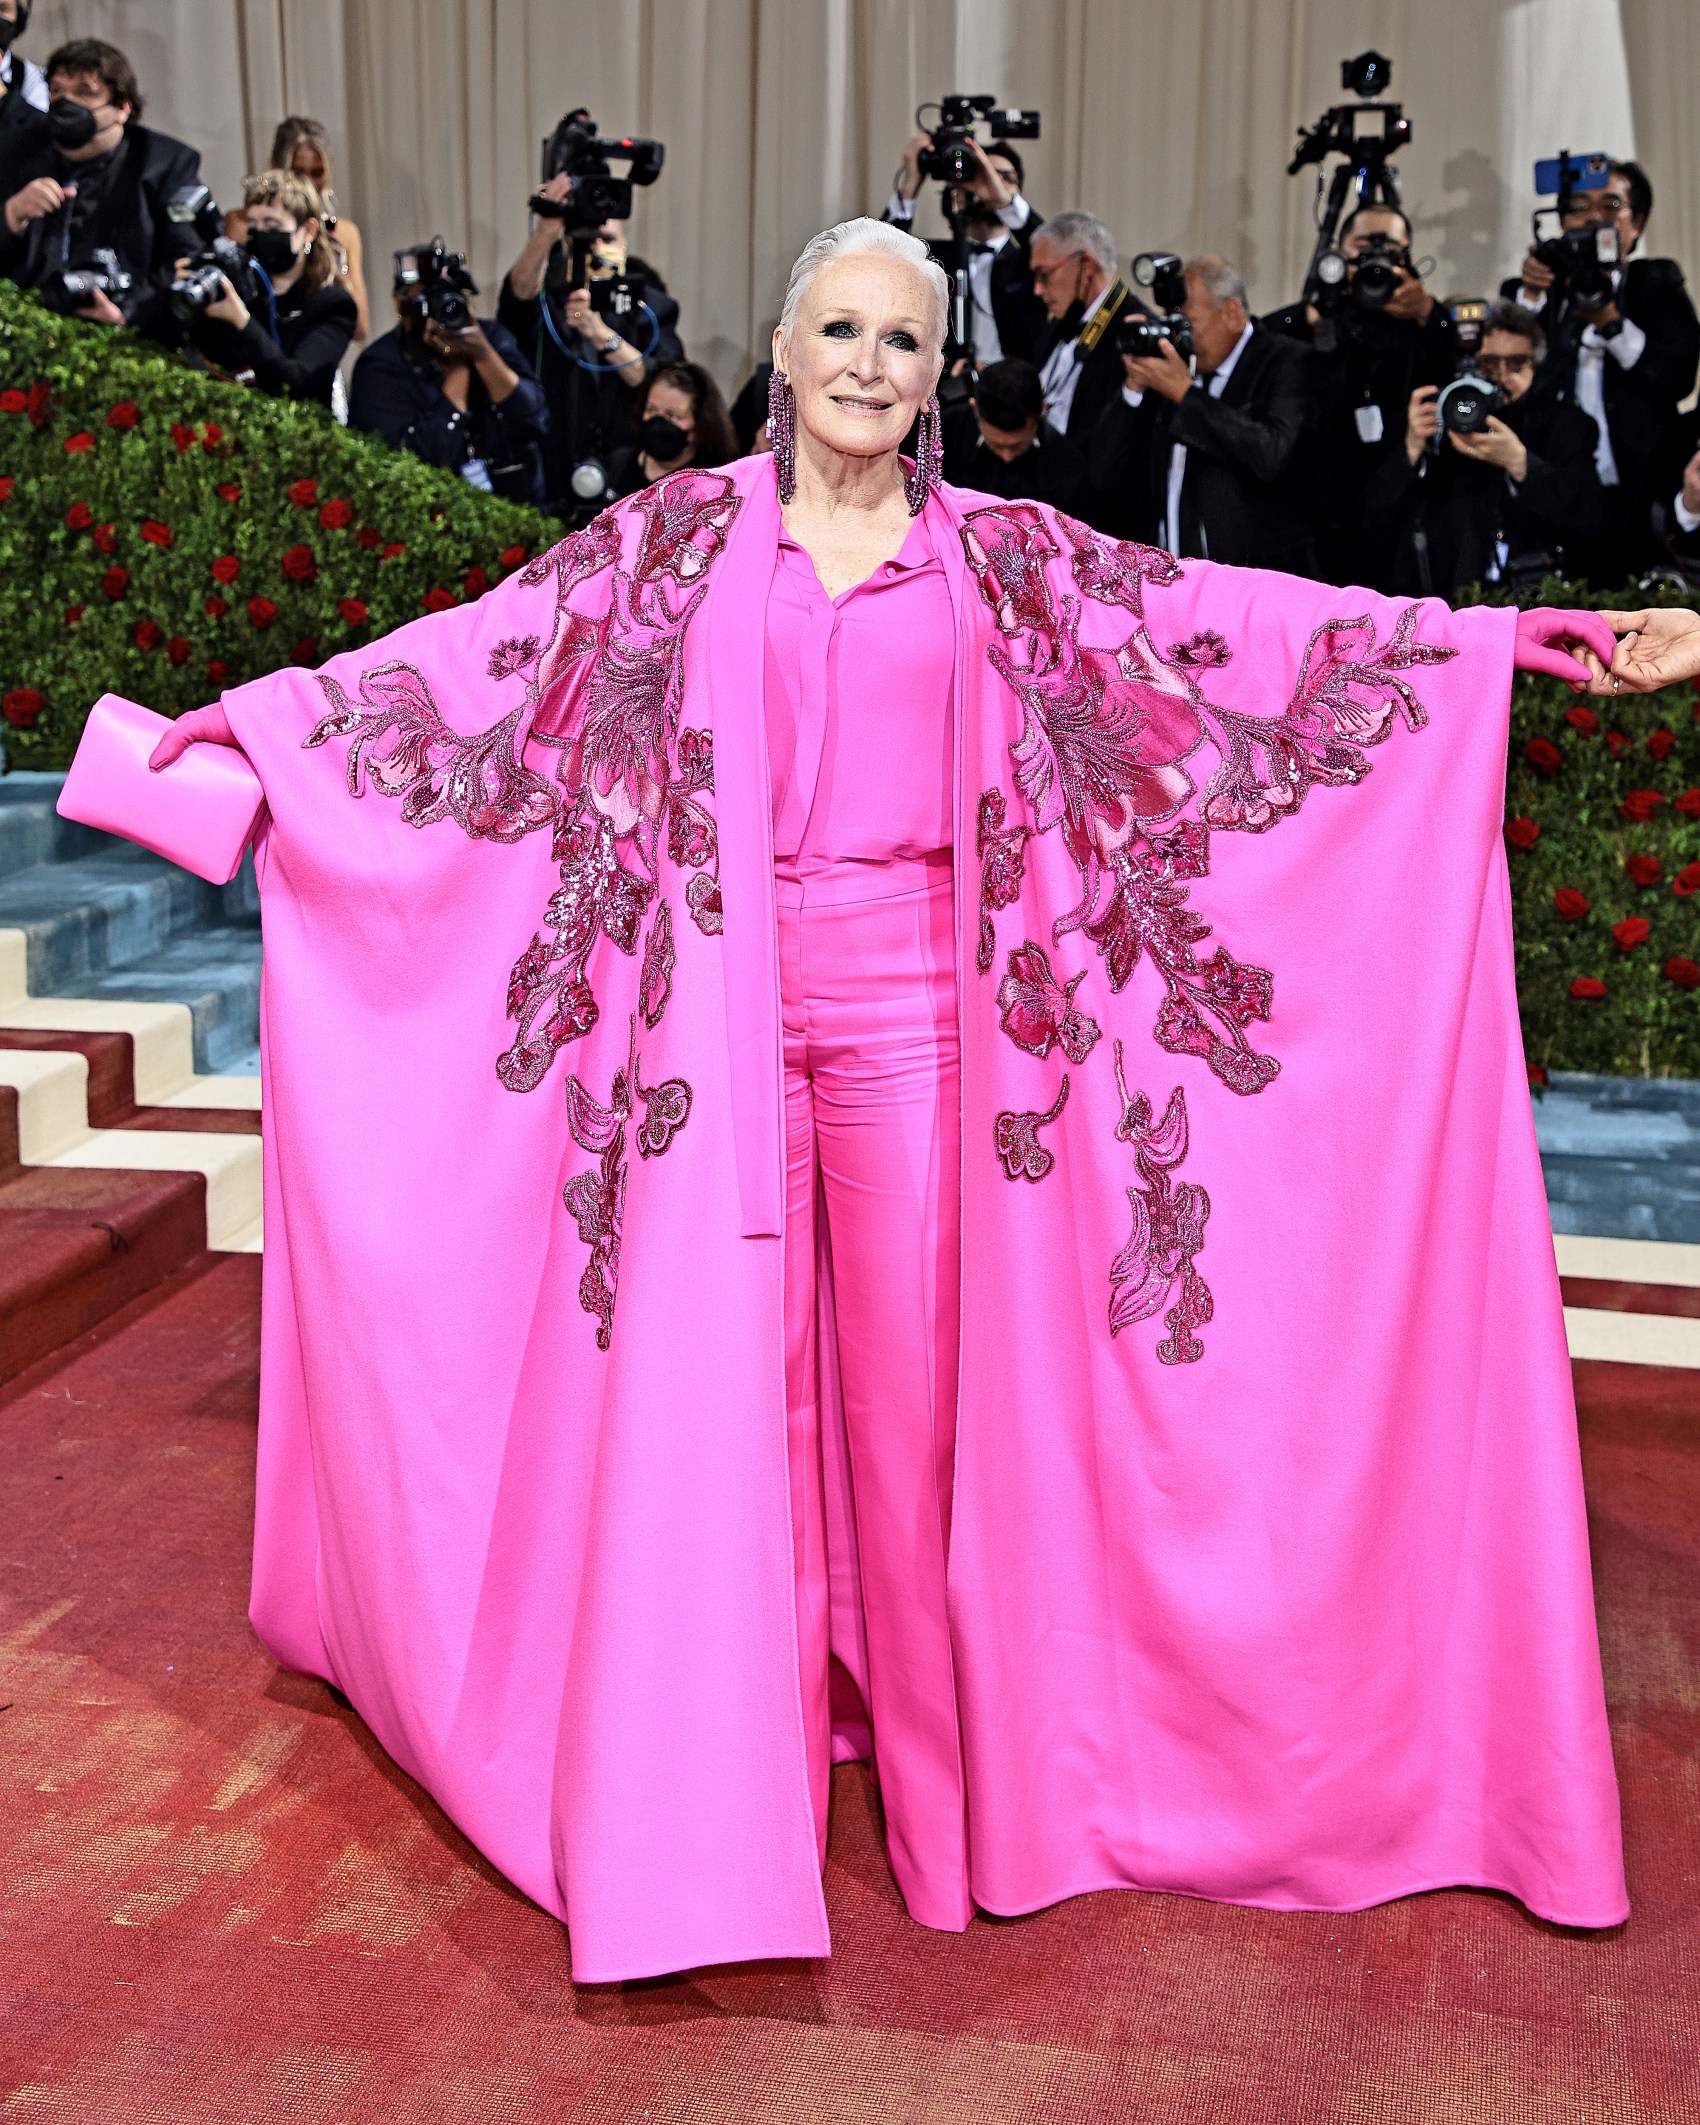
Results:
[859, 725]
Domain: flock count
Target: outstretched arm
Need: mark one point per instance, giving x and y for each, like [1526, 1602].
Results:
[1658, 646]
[201, 726]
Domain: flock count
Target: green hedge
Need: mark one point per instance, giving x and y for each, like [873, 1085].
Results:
[166, 535]
[115, 457]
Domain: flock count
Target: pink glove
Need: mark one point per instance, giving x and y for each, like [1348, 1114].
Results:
[201, 726]
[1542, 632]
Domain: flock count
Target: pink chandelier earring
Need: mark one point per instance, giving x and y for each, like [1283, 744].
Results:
[782, 431]
[929, 457]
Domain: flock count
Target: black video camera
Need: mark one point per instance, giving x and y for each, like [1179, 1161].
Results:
[1467, 403]
[950, 157]
[1139, 331]
[72, 288]
[1370, 280]
[596, 195]
[431, 282]
[201, 282]
[1585, 263]
[1365, 133]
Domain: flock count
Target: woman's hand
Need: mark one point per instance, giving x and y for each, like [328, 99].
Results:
[201, 726]
[1659, 646]
[1567, 645]
[230, 309]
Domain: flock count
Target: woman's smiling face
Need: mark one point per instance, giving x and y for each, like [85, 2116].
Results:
[863, 353]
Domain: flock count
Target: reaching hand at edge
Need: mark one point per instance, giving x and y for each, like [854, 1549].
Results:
[201, 726]
[1658, 646]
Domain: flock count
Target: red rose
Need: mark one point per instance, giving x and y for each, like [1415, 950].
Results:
[79, 516]
[1639, 805]
[1683, 972]
[73, 613]
[299, 565]
[337, 515]
[211, 436]
[1586, 989]
[1617, 743]
[104, 539]
[352, 611]
[438, 599]
[1688, 804]
[149, 634]
[215, 607]
[261, 612]
[512, 556]
[1584, 720]
[392, 549]
[177, 650]
[305, 650]
[158, 534]
[76, 444]
[22, 706]
[115, 582]
[1537, 1073]
[369, 536]
[1644, 870]
[1686, 883]
[1631, 931]
[12, 402]
[303, 493]
[226, 568]
[123, 415]
[217, 671]
[1571, 905]
[229, 490]
[183, 437]
[476, 583]
[1660, 741]
[1522, 834]
[1543, 756]
[7, 483]
[37, 403]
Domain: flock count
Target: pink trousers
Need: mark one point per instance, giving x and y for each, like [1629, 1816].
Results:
[872, 1121]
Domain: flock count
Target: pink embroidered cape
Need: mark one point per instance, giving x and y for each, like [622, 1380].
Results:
[1269, 1570]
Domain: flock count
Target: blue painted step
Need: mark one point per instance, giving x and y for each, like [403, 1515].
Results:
[1622, 1156]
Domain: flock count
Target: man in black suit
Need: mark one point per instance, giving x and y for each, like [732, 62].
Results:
[1677, 508]
[1628, 363]
[1001, 444]
[1074, 271]
[89, 175]
[1006, 315]
[1506, 504]
[1202, 457]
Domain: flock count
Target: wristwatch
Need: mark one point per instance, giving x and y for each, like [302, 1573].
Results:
[611, 342]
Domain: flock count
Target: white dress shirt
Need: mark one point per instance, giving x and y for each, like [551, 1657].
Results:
[988, 347]
[1626, 347]
[1215, 385]
[24, 78]
[1061, 372]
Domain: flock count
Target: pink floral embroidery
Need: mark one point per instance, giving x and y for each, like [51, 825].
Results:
[1015, 1138]
[655, 984]
[1037, 1011]
[702, 897]
[1168, 1229]
[1002, 865]
[666, 1109]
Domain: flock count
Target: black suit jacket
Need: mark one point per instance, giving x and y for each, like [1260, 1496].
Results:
[1016, 310]
[122, 203]
[1240, 499]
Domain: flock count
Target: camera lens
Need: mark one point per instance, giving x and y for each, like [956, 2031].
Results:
[1466, 404]
[589, 482]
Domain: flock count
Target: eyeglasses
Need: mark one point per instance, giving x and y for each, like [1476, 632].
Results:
[1504, 364]
[1041, 273]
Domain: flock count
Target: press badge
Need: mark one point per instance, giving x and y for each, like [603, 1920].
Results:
[1370, 426]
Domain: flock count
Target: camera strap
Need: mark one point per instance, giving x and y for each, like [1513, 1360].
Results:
[1101, 320]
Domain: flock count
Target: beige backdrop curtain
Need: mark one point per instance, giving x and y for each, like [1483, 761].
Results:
[1173, 122]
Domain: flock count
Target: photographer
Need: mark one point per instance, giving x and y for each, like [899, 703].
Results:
[1008, 317]
[1203, 463]
[302, 146]
[89, 177]
[1001, 443]
[1678, 508]
[307, 318]
[679, 418]
[591, 371]
[450, 387]
[1504, 503]
[1074, 271]
[23, 84]
[1381, 338]
[1625, 348]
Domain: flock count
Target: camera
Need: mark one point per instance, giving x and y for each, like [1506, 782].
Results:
[431, 282]
[950, 157]
[574, 149]
[1583, 262]
[1467, 403]
[1365, 134]
[1370, 280]
[72, 287]
[201, 282]
[1138, 331]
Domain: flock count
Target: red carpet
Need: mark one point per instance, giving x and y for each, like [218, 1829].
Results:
[222, 1904]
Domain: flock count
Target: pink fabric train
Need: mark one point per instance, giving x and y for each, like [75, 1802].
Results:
[1269, 1569]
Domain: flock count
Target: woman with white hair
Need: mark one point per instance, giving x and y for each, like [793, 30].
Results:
[729, 1341]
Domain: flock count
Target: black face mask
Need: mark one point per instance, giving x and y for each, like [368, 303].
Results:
[73, 125]
[663, 439]
[272, 250]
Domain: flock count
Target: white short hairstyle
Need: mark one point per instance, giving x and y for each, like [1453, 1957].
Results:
[844, 240]
[1073, 232]
[1221, 281]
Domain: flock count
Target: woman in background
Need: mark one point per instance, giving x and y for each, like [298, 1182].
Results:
[292, 348]
[679, 418]
[302, 145]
